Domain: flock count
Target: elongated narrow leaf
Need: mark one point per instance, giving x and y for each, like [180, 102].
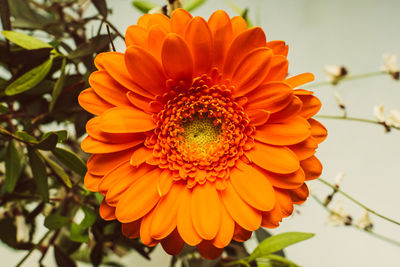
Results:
[24, 40]
[59, 171]
[48, 143]
[55, 221]
[90, 217]
[58, 86]
[262, 234]
[39, 173]
[78, 233]
[144, 6]
[70, 160]
[273, 258]
[25, 136]
[30, 79]
[3, 109]
[101, 6]
[94, 45]
[278, 242]
[191, 5]
[62, 259]
[13, 166]
[62, 135]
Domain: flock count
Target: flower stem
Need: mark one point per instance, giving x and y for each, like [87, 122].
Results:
[238, 262]
[358, 203]
[32, 249]
[379, 236]
[354, 119]
[347, 78]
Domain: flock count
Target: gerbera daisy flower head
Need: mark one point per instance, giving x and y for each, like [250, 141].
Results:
[198, 137]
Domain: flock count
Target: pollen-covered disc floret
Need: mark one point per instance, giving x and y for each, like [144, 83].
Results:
[201, 133]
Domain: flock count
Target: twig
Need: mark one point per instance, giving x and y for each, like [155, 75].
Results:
[355, 119]
[347, 78]
[109, 36]
[37, 246]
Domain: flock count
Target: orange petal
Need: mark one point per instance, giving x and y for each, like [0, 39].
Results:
[125, 120]
[155, 40]
[239, 25]
[243, 214]
[287, 181]
[221, 30]
[92, 181]
[311, 105]
[165, 182]
[92, 103]
[121, 183]
[285, 202]
[164, 219]
[312, 168]
[132, 229]
[173, 244]
[253, 187]
[143, 193]
[184, 220]
[241, 47]
[300, 92]
[271, 219]
[145, 230]
[318, 131]
[300, 79]
[279, 47]
[273, 158]
[145, 70]
[160, 20]
[142, 102]
[179, 20]
[91, 145]
[305, 149]
[118, 173]
[290, 111]
[135, 35]
[299, 195]
[272, 96]
[285, 133]
[252, 71]
[143, 21]
[199, 40]
[240, 234]
[176, 58]
[279, 69]
[208, 251]
[140, 155]
[225, 232]
[206, 210]
[107, 212]
[258, 116]
[100, 164]
[114, 64]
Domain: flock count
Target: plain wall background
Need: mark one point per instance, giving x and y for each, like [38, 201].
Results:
[351, 33]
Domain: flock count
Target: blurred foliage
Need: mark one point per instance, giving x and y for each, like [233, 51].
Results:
[46, 57]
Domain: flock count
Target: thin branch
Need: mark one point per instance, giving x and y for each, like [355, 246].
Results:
[356, 119]
[37, 246]
[347, 78]
[109, 36]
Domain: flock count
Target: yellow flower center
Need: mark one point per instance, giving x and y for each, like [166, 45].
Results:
[200, 133]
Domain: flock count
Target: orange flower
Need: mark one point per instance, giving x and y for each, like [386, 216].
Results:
[198, 137]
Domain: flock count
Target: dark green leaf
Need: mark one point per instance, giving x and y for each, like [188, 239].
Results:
[99, 197]
[5, 14]
[262, 234]
[62, 259]
[59, 171]
[191, 5]
[277, 259]
[24, 40]
[13, 164]
[8, 231]
[101, 6]
[96, 255]
[49, 142]
[90, 217]
[144, 6]
[29, 79]
[39, 173]
[78, 233]
[278, 242]
[94, 45]
[70, 160]
[58, 86]
[62, 135]
[55, 221]
[25, 136]
[3, 108]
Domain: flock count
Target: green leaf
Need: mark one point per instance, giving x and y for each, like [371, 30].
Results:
[25, 136]
[78, 233]
[39, 173]
[101, 6]
[144, 6]
[13, 164]
[191, 5]
[262, 234]
[278, 242]
[55, 221]
[24, 40]
[3, 108]
[5, 14]
[59, 171]
[49, 142]
[94, 45]
[62, 135]
[62, 259]
[70, 160]
[96, 255]
[58, 86]
[30, 79]
[90, 217]
[277, 258]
